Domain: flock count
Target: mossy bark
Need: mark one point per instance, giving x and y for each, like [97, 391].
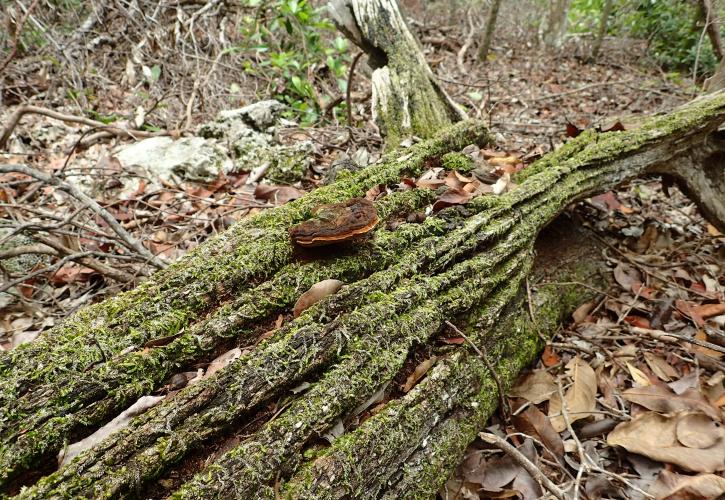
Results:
[463, 264]
[407, 99]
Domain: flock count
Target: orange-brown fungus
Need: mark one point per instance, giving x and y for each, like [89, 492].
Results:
[336, 223]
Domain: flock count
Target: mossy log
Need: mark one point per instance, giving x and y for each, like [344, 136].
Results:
[466, 265]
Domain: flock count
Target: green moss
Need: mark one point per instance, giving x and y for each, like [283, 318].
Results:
[457, 161]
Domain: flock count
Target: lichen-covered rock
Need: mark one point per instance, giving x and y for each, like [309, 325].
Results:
[19, 265]
[190, 158]
[287, 163]
[249, 135]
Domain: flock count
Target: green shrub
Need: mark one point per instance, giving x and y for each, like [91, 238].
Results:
[672, 27]
[286, 41]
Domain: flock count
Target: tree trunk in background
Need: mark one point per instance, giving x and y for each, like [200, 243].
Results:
[717, 81]
[601, 33]
[555, 23]
[712, 25]
[407, 99]
[490, 28]
[254, 428]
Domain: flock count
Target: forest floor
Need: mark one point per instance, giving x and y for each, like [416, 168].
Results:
[613, 362]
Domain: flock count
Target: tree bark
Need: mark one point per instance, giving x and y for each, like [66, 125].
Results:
[490, 28]
[407, 99]
[555, 23]
[712, 26]
[603, 23]
[467, 266]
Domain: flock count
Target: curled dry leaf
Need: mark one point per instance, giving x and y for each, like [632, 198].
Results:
[582, 312]
[537, 387]
[673, 486]
[697, 430]
[316, 293]
[655, 436]
[419, 373]
[222, 361]
[534, 423]
[660, 367]
[661, 399]
[627, 276]
[278, 195]
[66, 455]
[580, 398]
[451, 197]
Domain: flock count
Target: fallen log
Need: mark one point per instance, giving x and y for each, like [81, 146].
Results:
[467, 266]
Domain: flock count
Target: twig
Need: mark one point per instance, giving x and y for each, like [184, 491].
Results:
[460, 57]
[583, 462]
[586, 462]
[484, 356]
[524, 462]
[16, 37]
[112, 129]
[128, 240]
[663, 337]
[348, 90]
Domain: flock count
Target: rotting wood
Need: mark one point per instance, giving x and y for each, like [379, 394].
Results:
[401, 288]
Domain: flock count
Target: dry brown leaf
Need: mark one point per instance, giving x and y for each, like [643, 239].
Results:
[673, 486]
[655, 436]
[697, 430]
[451, 197]
[662, 399]
[503, 160]
[582, 312]
[705, 351]
[316, 293]
[277, 194]
[430, 183]
[67, 454]
[580, 398]
[221, 361]
[626, 276]
[534, 423]
[537, 387]
[660, 367]
[640, 378]
[709, 310]
[419, 373]
[453, 181]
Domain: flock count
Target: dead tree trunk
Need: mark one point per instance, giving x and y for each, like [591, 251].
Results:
[602, 31]
[490, 28]
[554, 25]
[401, 286]
[712, 26]
[407, 99]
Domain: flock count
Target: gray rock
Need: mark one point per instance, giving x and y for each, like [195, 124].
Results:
[17, 266]
[163, 158]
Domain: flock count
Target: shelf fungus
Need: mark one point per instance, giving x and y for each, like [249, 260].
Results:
[336, 223]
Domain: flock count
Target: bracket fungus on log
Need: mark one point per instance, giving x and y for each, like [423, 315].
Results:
[336, 223]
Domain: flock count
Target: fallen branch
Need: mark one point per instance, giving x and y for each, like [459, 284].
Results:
[109, 129]
[461, 56]
[126, 239]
